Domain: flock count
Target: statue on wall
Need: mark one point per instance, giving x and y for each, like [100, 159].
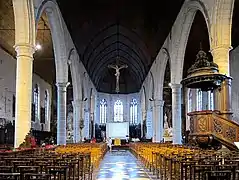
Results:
[168, 113]
[69, 127]
[165, 121]
[69, 123]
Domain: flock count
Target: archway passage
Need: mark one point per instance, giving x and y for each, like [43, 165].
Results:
[167, 96]
[198, 39]
[44, 55]
[133, 31]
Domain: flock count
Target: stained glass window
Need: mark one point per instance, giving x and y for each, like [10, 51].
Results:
[118, 111]
[36, 102]
[133, 111]
[103, 111]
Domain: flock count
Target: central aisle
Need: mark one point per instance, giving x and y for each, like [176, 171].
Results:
[121, 165]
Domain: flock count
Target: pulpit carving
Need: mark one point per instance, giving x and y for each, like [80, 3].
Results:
[231, 133]
[202, 124]
[217, 126]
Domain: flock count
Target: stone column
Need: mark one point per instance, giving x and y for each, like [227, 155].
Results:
[92, 112]
[205, 100]
[149, 121]
[221, 58]
[61, 112]
[176, 113]
[77, 105]
[158, 120]
[226, 98]
[23, 92]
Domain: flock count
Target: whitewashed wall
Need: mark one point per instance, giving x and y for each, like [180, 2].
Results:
[111, 99]
[8, 85]
[43, 86]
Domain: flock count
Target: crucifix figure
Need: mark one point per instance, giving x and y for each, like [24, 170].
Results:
[117, 74]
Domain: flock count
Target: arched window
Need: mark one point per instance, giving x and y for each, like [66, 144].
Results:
[36, 98]
[199, 100]
[210, 100]
[103, 110]
[190, 98]
[133, 111]
[46, 106]
[118, 111]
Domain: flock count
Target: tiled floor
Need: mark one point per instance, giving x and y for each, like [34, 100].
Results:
[121, 165]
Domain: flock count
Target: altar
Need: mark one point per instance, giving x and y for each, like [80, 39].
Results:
[117, 130]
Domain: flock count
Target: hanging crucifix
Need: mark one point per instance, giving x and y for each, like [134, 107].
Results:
[117, 73]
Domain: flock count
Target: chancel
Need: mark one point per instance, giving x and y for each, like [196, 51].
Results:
[119, 89]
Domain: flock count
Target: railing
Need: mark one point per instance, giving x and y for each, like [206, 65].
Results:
[206, 126]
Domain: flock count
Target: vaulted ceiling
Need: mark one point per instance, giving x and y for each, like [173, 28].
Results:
[43, 58]
[134, 31]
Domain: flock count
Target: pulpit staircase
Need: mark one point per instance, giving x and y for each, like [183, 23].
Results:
[211, 129]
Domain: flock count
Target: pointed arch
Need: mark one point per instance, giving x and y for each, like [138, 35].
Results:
[73, 61]
[222, 24]
[181, 30]
[163, 58]
[58, 37]
[152, 87]
[25, 33]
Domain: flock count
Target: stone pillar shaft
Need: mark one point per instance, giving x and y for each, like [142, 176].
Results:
[176, 113]
[23, 92]
[158, 120]
[77, 106]
[61, 112]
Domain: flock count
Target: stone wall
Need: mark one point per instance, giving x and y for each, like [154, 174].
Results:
[7, 90]
[234, 67]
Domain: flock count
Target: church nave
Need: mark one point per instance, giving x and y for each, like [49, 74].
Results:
[121, 165]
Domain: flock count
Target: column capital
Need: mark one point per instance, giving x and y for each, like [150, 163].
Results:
[25, 49]
[158, 103]
[221, 58]
[221, 47]
[175, 86]
[150, 106]
[62, 84]
[77, 103]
